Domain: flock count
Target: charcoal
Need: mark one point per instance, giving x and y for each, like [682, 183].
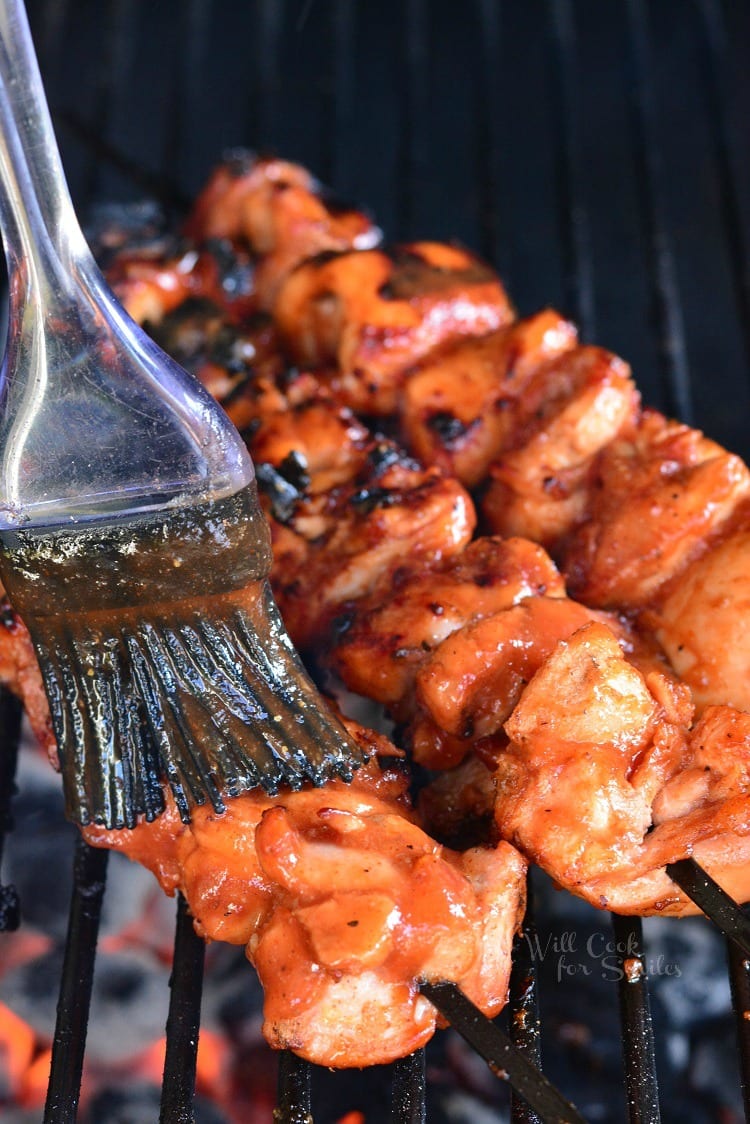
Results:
[31, 991]
[39, 852]
[128, 1006]
[139, 1104]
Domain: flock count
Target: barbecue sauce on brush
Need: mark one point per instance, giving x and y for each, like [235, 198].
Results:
[164, 657]
[144, 559]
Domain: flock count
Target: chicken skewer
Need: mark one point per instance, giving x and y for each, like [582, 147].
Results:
[390, 662]
[344, 905]
[353, 511]
[557, 344]
[568, 404]
[354, 999]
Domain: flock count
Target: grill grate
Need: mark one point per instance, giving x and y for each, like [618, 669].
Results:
[637, 1030]
[546, 133]
[89, 879]
[183, 1021]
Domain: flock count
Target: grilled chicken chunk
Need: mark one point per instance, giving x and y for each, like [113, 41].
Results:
[339, 546]
[374, 314]
[470, 684]
[381, 644]
[604, 782]
[703, 623]
[574, 408]
[280, 212]
[463, 407]
[662, 492]
[344, 905]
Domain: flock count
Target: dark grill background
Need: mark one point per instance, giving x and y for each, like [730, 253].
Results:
[595, 151]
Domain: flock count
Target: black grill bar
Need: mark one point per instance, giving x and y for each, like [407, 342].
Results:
[667, 304]
[489, 147]
[739, 979]
[339, 140]
[10, 732]
[182, 91]
[573, 216]
[409, 1090]
[111, 76]
[416, 113]
[715, 902]
[265, 108]
[726, 145]
[734, 922]
[69, 1043]
[505, 1061]
[523, 1007]
[294, 1103]
[635, 1019]
[183, 1021]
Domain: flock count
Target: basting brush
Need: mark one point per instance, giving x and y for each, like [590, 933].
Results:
[131, 539]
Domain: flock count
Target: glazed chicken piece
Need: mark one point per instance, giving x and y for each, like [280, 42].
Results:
[604, 782]
[19, 673]
[344, 906]
[460, 408]
[280, 212]
[572, 409]
[468, 686]
[661, 493]
[702, 621]
[374, 314]
[343, 544]
[150, 287]
[382, 643]
[293, 420]
[667, 536]
[333, 447]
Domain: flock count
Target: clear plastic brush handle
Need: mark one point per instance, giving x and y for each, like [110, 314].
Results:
[96, 421]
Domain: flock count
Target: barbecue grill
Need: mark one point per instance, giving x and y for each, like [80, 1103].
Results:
[594, 153]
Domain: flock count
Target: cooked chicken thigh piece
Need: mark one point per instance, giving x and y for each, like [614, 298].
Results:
[344, 905]
[374, 314]
[604, 781]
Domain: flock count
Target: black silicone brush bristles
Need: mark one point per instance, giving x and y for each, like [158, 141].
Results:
[216, 706]
[165, 662]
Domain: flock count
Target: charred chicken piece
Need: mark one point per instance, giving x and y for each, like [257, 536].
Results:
[151, 287]
[462, 407]
[374, 314]
[280, 212]
[382, 643]
[293, 419]
[341, 545]
[344, 905]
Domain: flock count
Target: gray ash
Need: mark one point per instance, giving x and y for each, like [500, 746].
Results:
[139, 1104]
